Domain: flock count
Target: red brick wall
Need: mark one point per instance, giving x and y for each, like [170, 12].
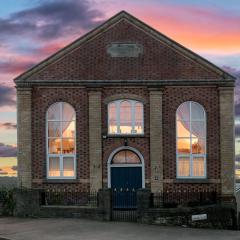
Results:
[91, 61]
[140, 143]
[172, 98]
[42, 98]
[208, 98]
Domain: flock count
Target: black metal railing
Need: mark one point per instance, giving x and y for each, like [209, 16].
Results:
[124, 198]
[66, 197]
[124, 204]
[170, 199]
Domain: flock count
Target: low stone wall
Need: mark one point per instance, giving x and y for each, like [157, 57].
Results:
[1, 208]
[72, 212]
[28, 204]
[203, 217]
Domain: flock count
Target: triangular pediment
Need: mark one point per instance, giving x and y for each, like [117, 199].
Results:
[124, 48]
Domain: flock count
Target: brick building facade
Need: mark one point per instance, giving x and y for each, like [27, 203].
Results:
[124, 59]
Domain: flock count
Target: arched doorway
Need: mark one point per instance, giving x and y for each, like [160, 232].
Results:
[126, 169]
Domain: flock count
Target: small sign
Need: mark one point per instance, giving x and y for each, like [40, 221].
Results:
[125, 49]
[199, 217]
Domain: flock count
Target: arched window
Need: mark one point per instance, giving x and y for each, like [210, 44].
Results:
[191, 140]
[61, 150]
[125, 117]
[126, 157]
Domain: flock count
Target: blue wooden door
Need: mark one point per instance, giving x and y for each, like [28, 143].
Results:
[124, 182]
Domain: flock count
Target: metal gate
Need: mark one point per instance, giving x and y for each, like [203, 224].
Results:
[124, 205]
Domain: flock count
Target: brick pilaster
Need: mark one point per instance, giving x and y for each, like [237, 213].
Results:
[95, 139]
[227, 154]
[24, 137]
[156, 143]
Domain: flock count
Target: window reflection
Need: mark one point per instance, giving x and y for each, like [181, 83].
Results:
[68, 129]
[183, 129]
[112, 115]
[183, 166]
[61, 140]
[127, 157]
[54, 167]
[191, 140]
[68, 166]
[198, 146]
[54, 111]
[184, 145]
[198, 166]
[54, 129]
[54, 146]
[183, 112]
[197, 112]
[67, 146]
[125, 117]
[138, 118]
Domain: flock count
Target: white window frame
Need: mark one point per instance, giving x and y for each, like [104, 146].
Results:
[61, 156]
[118, 104]
[191, 155]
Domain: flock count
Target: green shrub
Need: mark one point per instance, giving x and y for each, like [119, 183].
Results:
[7, 201]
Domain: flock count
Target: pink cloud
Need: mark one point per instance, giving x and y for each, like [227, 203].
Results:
[8, 126]
[195, 27]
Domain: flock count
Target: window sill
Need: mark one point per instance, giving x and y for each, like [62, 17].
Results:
[192, 180]
[123, 135]
[60, 181]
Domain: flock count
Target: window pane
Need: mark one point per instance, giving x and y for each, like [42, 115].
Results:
[183, 145]
[119, 157]
[183, 112]
[126, 156]
[68, 146]
[112, 118]
[125, 117]
[54, 167]
[54, 146]
[68, 113]
[183, 129]
[198, 146]
[68, 129]
[132, 157]
[198, 129]
[183, 166]
[54, 129]
[197, 111]
[198, 167]
[68, 167]
[138, 118]
[54, 111]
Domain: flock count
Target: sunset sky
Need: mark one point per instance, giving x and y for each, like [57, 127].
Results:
[31, 30]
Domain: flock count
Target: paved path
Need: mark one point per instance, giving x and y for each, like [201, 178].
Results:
[74, 229]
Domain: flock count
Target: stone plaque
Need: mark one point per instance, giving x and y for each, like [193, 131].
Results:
[125, 49]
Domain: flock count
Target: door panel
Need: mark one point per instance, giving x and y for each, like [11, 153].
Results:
[126, 177]
[124, 182]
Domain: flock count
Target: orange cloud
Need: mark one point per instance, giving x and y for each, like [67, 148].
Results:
[197, 28]
[9, 171]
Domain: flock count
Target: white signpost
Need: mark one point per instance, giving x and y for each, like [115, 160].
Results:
[199, 217]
